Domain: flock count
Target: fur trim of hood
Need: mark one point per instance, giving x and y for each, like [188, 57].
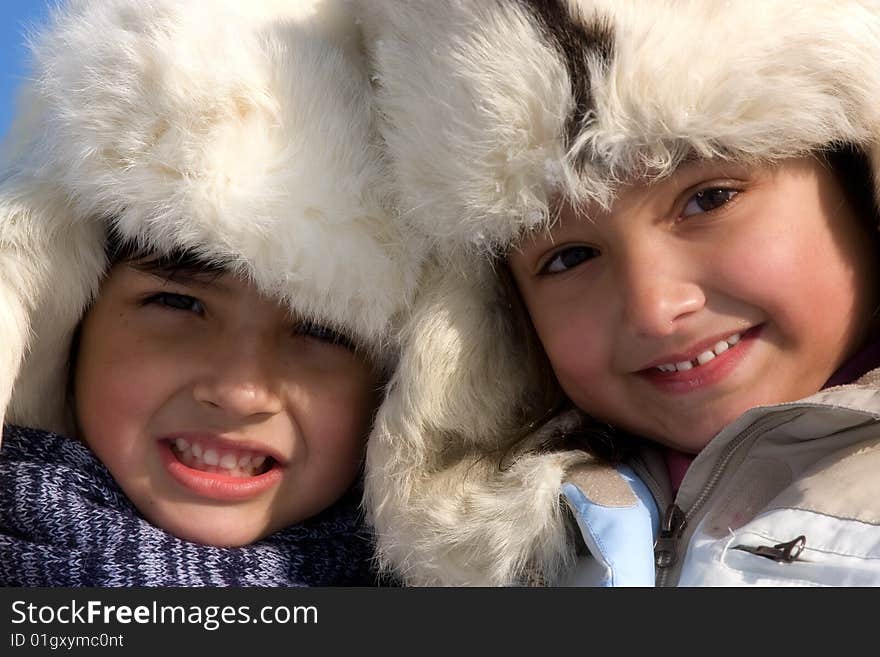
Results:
[456, 497]
[242, 131]
[493, 109]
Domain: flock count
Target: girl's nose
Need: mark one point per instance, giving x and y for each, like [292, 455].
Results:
[657, 294]
[240, 380]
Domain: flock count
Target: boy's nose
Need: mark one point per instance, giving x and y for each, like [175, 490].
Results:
[657, 295]
[241, 382]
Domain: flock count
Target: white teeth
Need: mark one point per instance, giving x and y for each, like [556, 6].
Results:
[211, 457]
[705, 357]
[720, 347]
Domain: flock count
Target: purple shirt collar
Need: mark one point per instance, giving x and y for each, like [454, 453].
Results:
[860, 364]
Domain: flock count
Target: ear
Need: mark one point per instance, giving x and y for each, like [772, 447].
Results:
[50, 267]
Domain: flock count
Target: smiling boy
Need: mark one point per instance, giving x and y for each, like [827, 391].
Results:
[221, 417]
[200, 260]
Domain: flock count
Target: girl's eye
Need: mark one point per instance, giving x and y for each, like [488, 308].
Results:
[324, 334]
[707, 200]
[569, 258]
[177, 302]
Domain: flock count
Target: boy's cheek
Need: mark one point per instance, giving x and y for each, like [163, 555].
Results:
[119, 383]
[336, 425]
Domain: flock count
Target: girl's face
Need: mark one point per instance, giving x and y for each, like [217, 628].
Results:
[698, 297]
[221, 418]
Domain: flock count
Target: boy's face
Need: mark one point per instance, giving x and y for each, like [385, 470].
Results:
[700, 296]
[221, 418]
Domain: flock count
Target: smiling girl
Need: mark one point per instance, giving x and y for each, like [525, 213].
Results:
[651, 328]
[687, 291]
[200, 261]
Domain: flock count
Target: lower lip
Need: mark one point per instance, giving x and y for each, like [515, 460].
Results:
[705, 375]
[215, 486]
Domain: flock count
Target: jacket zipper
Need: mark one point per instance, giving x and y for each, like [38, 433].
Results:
[671, 527]
[675, 520]
[787, 552]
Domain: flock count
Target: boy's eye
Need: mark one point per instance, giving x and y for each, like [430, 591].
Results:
[177, 302]
[707, 200]
[324, 334]
[569, 258]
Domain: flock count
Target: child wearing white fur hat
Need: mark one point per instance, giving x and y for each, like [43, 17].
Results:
[647, 352]
[199, 276]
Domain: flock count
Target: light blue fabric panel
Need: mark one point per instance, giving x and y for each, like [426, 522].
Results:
[621, 539]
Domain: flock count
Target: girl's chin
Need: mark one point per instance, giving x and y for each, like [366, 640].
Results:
[690, 446]
[686, 436]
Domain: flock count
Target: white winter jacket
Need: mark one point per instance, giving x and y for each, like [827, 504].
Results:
[787, 495]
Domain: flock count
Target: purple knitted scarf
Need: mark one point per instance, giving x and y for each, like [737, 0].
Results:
[65, 522]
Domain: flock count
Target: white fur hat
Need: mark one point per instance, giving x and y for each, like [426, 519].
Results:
[241, 131]
[494, 108]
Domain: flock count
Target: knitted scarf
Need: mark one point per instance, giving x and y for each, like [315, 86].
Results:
[65, 522]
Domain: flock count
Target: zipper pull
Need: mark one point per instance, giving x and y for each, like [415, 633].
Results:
[781, 552]
[673, 525]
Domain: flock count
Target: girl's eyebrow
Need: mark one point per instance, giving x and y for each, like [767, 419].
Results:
[693, 164]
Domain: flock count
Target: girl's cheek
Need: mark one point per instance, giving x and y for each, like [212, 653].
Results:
[579, 353]
[764, 275]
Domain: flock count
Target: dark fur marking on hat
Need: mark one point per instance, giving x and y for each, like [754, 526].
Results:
[575, 41]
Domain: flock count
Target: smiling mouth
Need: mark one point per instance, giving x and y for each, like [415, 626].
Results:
[703, 358]
[231, 462]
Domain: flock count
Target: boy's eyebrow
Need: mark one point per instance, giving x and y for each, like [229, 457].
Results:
[196, 274]
[192, 278]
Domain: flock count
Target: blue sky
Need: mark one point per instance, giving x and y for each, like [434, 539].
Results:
[15, 16]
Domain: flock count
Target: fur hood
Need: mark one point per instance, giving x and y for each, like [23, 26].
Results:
[492, 109]
[239, 130]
